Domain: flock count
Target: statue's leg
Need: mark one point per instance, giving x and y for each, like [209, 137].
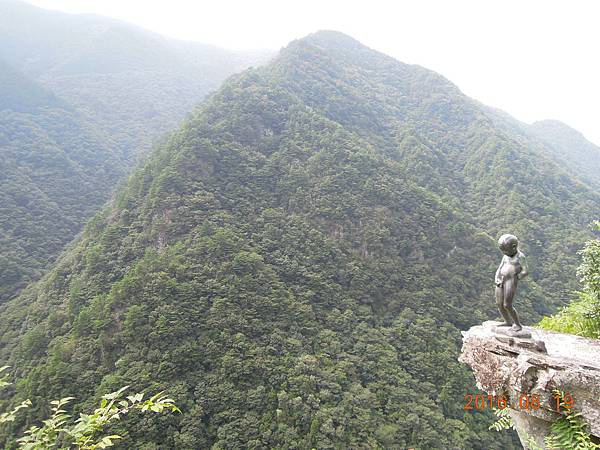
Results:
[500, 304]
[510, 288]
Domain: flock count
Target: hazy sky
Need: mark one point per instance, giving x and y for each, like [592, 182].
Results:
[533, 59]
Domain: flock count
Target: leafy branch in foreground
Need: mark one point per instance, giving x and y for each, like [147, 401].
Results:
[504, 421]
[11, 415]
[570, 432]
[86, 433]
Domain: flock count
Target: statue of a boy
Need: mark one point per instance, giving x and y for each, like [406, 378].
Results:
[512, 269]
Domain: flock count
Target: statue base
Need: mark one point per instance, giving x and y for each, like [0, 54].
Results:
[508, 331]
[521, 338]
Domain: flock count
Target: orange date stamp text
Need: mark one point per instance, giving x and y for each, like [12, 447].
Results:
[529, 402]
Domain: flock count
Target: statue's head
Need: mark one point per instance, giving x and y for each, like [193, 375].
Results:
[508, 244]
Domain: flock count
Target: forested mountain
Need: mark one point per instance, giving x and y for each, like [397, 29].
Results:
[134, 84]
[56, 170]
[555, 141]
[571, 149]
[80, 98]
[295, 263]
[20, 94]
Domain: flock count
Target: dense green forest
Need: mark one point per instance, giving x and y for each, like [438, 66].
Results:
[81, 98]
[295, 263]
[56, 170]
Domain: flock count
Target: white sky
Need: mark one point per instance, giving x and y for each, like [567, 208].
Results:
[535, 59]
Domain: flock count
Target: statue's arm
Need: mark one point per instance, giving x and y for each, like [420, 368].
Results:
[524, 269]
[498, 278]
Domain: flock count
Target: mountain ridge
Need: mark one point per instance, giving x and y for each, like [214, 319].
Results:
[570, 147]
[95, 93]
[133, 83]
[56, 170]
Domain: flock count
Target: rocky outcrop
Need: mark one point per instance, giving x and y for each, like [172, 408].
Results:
[523, 371]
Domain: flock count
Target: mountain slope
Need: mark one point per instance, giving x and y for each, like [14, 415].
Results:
[21, 94]
[81, 99]
[56, 170]
[133, 84]
[554, 141]
[295, 263]
[452, 146]
[570, 148]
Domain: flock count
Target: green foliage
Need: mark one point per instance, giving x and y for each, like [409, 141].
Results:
[57, 170]
[582, 316]
[570, 432]
[3, 378]
[10, 416]
[504, 421]
[88, 432]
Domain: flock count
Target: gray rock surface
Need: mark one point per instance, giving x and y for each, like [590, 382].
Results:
[516, 367]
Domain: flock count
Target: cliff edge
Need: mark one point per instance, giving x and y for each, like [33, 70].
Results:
[522, 371]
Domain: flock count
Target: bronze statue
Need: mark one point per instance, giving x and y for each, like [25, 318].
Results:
[512, 269]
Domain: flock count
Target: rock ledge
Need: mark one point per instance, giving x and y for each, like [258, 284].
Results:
[515, 368]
